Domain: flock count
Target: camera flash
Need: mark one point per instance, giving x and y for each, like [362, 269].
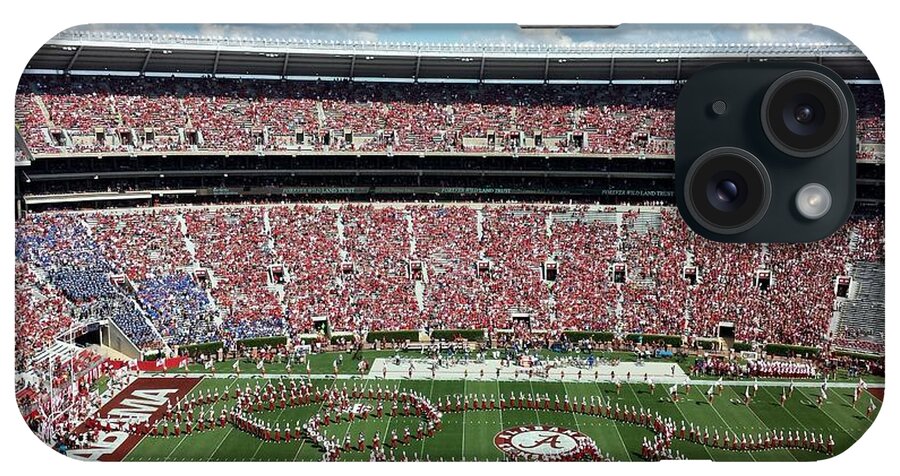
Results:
[813, 201]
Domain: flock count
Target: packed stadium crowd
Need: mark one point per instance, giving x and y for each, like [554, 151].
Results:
[116, 114]
[277, 270]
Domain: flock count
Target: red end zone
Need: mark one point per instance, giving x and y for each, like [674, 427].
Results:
[145, 400]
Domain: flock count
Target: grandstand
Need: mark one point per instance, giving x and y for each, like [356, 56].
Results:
[201, 196]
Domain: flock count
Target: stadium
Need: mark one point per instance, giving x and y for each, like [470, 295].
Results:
[283, 250]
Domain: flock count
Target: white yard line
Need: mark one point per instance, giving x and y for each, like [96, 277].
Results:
[574, 414]
[183, 437]
[835, 392]
[230, 427]
[303, 438]
[358, 400]
[684, 418]
[660, 378]
[831, 418]
[253, 458]
[430, 394]
[463, 447]
[616, 427]
[786, 409]
[536, 414]
[721, 418]
[500, 405]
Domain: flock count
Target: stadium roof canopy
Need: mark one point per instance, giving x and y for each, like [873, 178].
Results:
[96, 52]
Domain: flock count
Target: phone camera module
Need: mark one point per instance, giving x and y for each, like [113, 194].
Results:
[804, 113]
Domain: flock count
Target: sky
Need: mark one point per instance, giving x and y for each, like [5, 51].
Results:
[493, 33]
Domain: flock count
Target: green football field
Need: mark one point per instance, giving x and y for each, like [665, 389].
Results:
[323, 364]
[469, 435]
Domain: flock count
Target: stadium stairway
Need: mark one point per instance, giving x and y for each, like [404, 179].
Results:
[479, 224]
[864, 312]
[58, 351]
[44, 111]
[188, 242]
[191, 248]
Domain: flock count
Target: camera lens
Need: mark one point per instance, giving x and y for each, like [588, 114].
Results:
[727, 190]
[804, 113]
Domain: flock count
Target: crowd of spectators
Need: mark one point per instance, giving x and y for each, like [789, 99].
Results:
[234, 246]
[448, 250]
[141, 245]
[232, 114]
[57, 241]
[284, 269]
[41, 314]
[516, 243]
[124, 312]
[870, 113]
[377, 245]
[657, 294]
[585, 248]
[870, 234]
[179, 308]
[306, 238]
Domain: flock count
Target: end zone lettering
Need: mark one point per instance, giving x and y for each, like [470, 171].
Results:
[144, 400]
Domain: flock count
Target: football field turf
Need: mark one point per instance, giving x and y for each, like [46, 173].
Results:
[469, 435]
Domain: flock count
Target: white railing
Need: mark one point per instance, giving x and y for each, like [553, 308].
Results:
[617, 49]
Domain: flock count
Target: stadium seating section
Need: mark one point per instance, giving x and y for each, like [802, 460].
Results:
[199, 274]
[116, 114]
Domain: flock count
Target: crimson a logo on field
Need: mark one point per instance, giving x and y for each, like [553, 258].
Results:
[538, 441]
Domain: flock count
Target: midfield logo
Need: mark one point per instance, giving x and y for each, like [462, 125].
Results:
[536, 441]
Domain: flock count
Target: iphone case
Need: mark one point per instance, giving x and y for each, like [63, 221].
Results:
[420, 243]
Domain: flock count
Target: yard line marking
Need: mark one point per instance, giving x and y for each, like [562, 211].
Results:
[788, 410]
[616, 426]
[230, 427]
[186, 436]
[830, 417]
[764, 425]
[358, 400]
[721, 418]
[463, 449]
[321, 405]
[684, 418]
[175, 448]
[536, 414]
[574, 414]
[849, 403]
[430, 394]
[253, 458]
[500, 404]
